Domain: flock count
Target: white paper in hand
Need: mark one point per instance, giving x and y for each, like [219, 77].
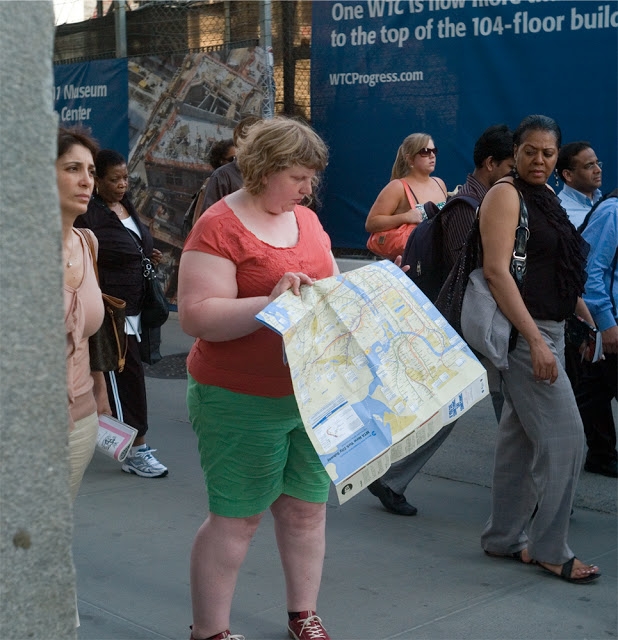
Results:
[115, 438]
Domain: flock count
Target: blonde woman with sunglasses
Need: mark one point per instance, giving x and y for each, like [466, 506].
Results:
[399, 207]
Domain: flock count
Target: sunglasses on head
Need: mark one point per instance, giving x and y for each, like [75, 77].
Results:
[425, 152]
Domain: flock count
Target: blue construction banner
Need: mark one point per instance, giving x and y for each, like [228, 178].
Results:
[383, 69]
[95, 95]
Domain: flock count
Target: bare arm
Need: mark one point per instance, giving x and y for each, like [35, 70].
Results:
[387, 211]
[100, 393]
[336, 270]
[582, 311]
[442, 184]
[208, 306]
[498, 221]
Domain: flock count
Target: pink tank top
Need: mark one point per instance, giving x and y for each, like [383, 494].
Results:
[83, 315]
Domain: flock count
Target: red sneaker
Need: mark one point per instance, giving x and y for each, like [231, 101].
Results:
[308, 626]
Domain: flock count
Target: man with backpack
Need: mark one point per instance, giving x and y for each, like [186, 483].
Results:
[434, 245]
[493, 159]
[596, 383]
[431, 254]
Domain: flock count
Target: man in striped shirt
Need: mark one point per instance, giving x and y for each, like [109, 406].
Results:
[493, 159]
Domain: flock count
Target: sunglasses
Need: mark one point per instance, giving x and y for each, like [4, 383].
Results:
[425, 152]
[230, 159]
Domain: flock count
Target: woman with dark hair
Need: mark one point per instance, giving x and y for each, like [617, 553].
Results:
[114, 221]
[540, 439]
[399, 207]
[83, 306]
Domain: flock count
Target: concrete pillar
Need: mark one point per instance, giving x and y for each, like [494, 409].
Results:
[37, 581]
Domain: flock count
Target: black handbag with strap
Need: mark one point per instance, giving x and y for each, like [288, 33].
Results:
[450, 299]
[155, 310]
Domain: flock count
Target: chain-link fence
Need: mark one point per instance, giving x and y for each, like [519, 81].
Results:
[183, 26]
[191, 26]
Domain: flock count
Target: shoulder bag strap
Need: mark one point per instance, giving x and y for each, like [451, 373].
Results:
[441, 189]
[453, 200]
[147, 266]
[522, 233]
[409, 193]
[90, 243]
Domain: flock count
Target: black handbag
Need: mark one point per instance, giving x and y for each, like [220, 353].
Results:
[155, 310]
[450, 299]
[150, 345]
[108, 346]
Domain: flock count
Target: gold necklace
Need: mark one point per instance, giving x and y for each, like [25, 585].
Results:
[117, 208]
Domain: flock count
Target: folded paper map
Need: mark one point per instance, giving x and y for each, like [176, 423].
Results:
[377, 371]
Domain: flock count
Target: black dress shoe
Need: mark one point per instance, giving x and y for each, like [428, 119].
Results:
[609, 469]
[393, 502]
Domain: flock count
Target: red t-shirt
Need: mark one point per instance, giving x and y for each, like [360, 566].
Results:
[254, 364]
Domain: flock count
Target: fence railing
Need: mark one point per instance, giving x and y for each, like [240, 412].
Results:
[161, 27]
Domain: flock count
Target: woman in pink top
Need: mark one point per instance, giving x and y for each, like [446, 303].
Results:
[83, 306]
[243, 252]
[399, 207]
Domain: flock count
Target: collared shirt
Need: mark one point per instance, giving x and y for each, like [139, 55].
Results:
[576, 203]
[459, 220]
[601, 233]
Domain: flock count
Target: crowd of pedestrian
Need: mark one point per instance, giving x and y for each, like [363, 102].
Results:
[254, 238]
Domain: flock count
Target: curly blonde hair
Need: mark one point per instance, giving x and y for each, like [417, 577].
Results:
[276, 144]
[407, 150]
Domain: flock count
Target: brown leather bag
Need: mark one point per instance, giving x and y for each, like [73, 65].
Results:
[108, 346]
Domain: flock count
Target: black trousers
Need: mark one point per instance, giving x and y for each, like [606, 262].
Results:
[595, 385]
[127, 390]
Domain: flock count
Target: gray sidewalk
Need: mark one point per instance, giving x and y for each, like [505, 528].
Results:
[385, 576]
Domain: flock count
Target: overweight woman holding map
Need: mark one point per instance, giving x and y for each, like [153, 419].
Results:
[245, 251]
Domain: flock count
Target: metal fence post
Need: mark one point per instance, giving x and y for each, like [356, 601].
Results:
[120, 23]
[266, 42]
[288, 27]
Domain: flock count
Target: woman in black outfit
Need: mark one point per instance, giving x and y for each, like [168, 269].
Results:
[114, 220]
[540, 439]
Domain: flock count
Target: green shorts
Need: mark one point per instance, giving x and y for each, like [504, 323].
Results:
[252, 450]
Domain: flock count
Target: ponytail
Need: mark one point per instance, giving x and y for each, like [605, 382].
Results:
[400, 167]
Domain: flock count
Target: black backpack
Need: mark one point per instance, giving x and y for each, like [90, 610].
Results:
[424, 249]
[584, 224]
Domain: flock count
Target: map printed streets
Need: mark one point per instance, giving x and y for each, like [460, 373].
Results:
[376, 369]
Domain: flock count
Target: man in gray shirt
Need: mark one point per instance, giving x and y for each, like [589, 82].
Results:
[227, 178]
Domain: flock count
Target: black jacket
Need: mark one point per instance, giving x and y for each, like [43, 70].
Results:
[119, 262]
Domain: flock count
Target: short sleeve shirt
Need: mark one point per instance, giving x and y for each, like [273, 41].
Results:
[254, 364]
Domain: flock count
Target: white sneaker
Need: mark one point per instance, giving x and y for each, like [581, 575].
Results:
[144, 464]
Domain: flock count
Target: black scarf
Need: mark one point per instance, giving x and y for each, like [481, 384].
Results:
[572, 248]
